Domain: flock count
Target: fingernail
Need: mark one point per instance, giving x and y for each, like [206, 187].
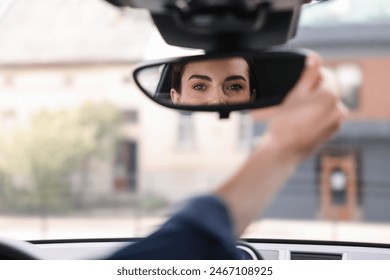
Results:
[310, 61]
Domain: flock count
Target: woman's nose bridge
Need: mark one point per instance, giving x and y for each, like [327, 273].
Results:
[216, 95]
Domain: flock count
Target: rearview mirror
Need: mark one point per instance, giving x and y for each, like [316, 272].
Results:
[221, 83]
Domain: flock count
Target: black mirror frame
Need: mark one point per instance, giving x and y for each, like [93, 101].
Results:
[223, 110]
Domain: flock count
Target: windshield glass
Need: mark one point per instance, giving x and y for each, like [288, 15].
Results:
[342, 12]
[83, 154]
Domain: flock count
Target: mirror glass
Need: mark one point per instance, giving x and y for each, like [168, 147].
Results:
[245, 80]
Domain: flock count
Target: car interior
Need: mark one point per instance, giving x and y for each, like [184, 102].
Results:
[334, 208]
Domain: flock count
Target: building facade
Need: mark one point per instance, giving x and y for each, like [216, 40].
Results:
[348, 178]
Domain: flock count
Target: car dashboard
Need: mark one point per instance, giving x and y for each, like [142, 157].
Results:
[268, 249]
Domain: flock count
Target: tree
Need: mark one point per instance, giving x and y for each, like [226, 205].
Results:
[37, 158]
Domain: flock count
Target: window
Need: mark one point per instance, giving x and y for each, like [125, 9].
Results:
[126, 165]
[245, 130]
[8, 118]
[185, 139]
[338, 184]
[350, 77]
[130, 116]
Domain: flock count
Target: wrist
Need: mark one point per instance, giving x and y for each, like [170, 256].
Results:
[280, 149]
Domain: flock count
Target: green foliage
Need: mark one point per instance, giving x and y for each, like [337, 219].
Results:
[36, 158]
[151, 202]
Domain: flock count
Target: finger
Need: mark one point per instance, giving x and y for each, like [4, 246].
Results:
[335, 120]
[344, 111]
[329, 82]
[309, 78]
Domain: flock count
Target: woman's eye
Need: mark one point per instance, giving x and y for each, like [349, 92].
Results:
[235, 87]
[199, 87]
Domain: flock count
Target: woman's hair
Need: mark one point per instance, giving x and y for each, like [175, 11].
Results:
[178, 69]
[175, 75]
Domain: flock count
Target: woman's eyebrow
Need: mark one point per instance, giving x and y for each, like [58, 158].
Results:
[235, 77]
[202, 77]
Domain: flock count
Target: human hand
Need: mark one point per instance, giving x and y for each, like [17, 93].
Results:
[311, 113]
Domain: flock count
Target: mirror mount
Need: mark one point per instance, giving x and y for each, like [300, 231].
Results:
[211, 19]
[265, 26]
[224, 114]
[224, 24]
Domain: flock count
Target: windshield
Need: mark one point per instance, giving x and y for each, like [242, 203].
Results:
[83, 154]
[346, 12]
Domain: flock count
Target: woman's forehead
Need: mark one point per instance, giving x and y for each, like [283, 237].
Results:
[228, 66]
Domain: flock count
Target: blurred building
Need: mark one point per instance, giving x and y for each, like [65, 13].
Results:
[348, 178]
[60, 54]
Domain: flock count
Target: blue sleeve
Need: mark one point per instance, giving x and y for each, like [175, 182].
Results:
[201, 230]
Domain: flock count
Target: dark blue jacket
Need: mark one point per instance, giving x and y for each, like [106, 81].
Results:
[201, 230]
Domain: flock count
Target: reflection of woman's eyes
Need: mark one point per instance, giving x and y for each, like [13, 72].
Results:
[199, 87]
[235, 87]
